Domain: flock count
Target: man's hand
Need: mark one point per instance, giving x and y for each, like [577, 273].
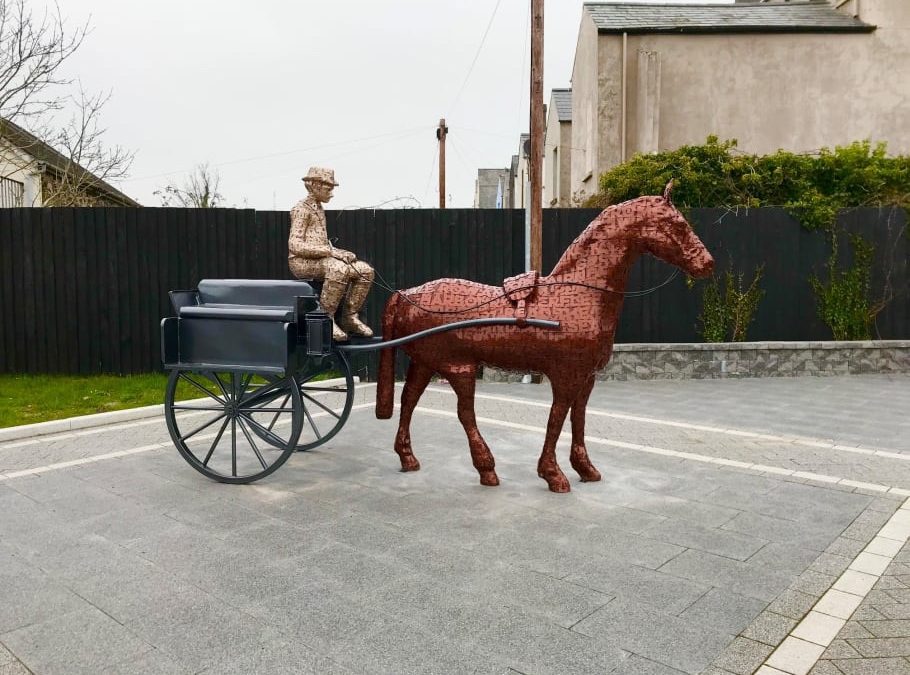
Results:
[344, 256]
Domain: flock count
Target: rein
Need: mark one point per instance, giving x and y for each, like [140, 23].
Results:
[602, 289]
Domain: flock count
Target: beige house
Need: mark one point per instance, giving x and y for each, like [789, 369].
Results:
[521, 197]
[791, 75]
[31, 171]
[557, 172]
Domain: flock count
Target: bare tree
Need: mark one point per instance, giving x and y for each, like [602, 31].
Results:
[70, 157]
[87, 161]
[32, 50]
[199, 190]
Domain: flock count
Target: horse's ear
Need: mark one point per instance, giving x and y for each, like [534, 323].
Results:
[668, 191]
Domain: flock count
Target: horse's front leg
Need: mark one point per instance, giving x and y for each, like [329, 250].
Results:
[579, 454]
[463, 381]
[547, 467]
[415, 383]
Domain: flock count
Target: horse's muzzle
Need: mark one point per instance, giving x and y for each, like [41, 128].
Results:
[702, 266]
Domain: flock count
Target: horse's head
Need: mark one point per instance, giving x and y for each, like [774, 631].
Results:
[665, 234]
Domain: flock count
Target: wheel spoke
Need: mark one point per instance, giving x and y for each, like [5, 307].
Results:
[233, 445]
[321, 405]
[332, 389]
[191, 407]
[244, 384]
[312, 423]
[259, 394]
[201, 388]
[204, 426]
[249, 440]
[215, 443]
[273, 438]
[268, 410]
[221, 386]
[275, 418]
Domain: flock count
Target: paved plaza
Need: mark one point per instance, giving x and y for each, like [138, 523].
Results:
[738, 526]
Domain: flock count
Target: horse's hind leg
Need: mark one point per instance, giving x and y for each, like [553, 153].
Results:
[579, 455]
[417, 379]
[463, 382]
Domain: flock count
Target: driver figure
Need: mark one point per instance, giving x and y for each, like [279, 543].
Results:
[346, 280]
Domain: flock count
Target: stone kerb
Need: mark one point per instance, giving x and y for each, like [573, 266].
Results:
[652, 361]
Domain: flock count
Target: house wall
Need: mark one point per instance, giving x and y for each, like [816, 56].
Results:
[486, 188]
[585, 100]
[17, 166]
[799, 92]
[557, 175]
[521, 198]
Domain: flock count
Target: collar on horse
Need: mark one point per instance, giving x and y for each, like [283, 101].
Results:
[520, 290]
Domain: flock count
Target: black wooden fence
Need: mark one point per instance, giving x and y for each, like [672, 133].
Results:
[83, 290]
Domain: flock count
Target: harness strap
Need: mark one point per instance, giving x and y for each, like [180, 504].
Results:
[520, 290]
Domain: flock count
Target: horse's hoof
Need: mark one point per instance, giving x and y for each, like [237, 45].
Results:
[409, 463]
[489, 478]
[558, 483]
[590, 475]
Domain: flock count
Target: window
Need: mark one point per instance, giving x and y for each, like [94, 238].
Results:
[11, 193]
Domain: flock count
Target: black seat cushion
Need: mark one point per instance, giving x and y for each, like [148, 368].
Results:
[263, 292]
[244, 312]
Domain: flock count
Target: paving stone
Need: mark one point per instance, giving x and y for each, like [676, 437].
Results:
[840, 649]
[756, 581]
[825, 668]
[793, 604]
[828, 563]
[814, 583]
[707, 539]
[744, 656]
[879, 647]
[854, 629]
[769, 628]
[887, 629]
[14, 668]
[884, 666]
[656, 636]
[84, 641]
[349, 556]
[846, 547]
[723, 610]
[31, 596]
[638, 665]
[638, 584]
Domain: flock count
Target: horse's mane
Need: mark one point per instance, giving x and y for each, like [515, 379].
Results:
[582, 242]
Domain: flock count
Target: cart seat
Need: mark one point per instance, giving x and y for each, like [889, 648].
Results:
[260, 292]
[244, 312]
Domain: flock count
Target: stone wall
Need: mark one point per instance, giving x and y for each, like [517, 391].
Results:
[746, 359]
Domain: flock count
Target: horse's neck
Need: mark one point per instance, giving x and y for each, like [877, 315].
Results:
[602, 255]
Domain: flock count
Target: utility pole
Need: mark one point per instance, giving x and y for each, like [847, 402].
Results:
[537, 131]
[441, 133]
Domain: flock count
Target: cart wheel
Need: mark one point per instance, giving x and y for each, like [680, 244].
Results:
[326, 386]
[215, 434]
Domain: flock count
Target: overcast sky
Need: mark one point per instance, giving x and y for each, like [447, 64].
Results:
[264, 90]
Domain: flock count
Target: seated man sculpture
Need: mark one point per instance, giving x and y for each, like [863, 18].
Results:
[346, 280]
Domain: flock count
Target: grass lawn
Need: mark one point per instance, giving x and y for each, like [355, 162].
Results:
[25, 399]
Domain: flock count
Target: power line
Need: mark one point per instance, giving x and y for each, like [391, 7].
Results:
[426, 190]
[283, 153]
[476, 56]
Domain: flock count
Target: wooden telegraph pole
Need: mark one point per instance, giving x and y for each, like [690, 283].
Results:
[537, 132]
[441, 133]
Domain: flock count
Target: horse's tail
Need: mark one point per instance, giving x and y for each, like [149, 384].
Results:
[385, 386]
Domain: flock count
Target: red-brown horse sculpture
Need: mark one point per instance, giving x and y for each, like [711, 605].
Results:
[584, 293]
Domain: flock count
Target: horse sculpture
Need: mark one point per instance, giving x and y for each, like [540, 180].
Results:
[584, 292]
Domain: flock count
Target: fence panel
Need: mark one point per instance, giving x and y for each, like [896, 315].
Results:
[83, 290]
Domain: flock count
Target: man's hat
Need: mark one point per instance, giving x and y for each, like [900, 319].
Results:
[318, 174]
